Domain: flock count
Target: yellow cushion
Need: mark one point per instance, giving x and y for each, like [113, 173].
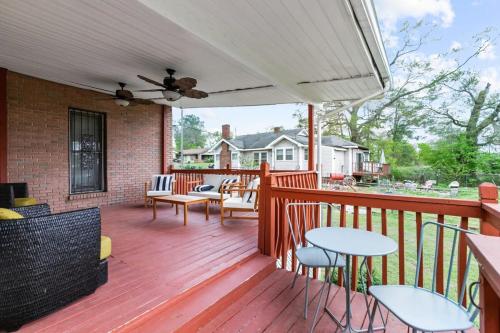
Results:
[22, 202]
[7, 214]
[105, 247]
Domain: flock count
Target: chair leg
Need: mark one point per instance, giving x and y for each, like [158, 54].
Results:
[221, 214]
[372, 316]
[307, 293]
[296, 276]
[328, 275]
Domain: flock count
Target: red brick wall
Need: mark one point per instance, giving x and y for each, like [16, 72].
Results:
[37, 112]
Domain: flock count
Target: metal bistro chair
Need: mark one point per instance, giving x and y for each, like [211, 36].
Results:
[427, 310]
[309, 256]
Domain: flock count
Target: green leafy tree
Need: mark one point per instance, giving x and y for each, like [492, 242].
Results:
[469, 107]
[454, 156]
[194, 132]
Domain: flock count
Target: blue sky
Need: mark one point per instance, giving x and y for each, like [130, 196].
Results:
[457, 22]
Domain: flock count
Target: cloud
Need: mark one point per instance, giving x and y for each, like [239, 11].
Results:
[492, 76]
[390, 11]
[455, 46]
[489, 51]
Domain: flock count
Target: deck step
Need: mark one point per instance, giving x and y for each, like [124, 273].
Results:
[195, 307]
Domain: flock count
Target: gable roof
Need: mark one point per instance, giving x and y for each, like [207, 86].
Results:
[262, 140]
[297, 135]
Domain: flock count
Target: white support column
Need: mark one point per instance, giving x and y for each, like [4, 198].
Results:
[318, 146]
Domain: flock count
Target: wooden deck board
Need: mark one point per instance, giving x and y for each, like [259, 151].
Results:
[273, 307]
[152, 262]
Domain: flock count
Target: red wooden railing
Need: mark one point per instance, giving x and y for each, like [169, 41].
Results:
[280, 189]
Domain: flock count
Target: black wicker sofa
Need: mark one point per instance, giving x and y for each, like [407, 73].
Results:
[47, 261]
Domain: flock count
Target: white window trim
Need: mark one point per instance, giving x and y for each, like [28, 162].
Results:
[235, 153]
[260, 156]
[284, 154]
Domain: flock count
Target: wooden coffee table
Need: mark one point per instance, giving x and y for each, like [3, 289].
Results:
[184, 200]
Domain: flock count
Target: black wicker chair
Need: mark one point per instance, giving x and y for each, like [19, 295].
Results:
[46, 262]
[10, 191]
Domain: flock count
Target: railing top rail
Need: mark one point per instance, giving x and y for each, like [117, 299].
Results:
[453, 207]
[218, 171]
[278, 173]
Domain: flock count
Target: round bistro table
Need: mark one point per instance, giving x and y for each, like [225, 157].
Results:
[349, 242]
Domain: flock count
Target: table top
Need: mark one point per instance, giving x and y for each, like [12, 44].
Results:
[351, 241]
[180, 198]
[486, 250]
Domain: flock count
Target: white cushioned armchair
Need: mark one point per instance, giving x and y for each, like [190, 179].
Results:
[245, 200]
[159, 185]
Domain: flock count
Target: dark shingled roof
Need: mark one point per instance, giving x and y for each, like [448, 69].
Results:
[261, 140]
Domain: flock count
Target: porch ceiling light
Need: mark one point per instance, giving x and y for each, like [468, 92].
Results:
[121, 102]
[171, 95]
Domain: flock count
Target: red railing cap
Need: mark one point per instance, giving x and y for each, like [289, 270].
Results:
[488, 192]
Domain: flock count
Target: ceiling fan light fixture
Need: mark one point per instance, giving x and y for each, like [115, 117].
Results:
[171, 95]
[121, 102]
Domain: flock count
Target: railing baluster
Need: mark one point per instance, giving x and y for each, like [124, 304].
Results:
[401, 246]
[340, 277]
[369, 228]
[440, 259]
[383, 216]
[355, 225]
[462, 256]
[418, 220]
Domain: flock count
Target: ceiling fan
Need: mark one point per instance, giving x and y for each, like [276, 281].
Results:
[173, 89]
[122, 97]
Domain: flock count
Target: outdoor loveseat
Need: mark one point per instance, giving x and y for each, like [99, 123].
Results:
[47, 261]
[215, 184]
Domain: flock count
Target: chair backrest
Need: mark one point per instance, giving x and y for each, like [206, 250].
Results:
[6, 196]
[303, 217]
[450, 257]
[162, 182]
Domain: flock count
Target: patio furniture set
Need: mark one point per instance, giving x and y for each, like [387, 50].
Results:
[422, 309]
[226, 191]
[47, 260]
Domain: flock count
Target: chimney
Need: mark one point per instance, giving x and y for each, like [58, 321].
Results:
[277, 130]
[226, 131]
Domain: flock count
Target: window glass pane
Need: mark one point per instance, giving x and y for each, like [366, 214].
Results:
[87, 155]
[306, 154]
[256, 159]
[289, 154]
[234, 156]
[279, 154]
[263, 157]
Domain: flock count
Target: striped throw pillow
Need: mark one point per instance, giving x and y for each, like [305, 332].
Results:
[203, 188]
[251, 196]
[163, 183]
[226, 181]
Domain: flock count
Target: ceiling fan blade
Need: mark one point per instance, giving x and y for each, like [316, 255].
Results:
[193, 93]
[155, 98]
[186, 83]
[148, 90]
[240, 89]
[151, 81]
[89, 86]
[142, 101]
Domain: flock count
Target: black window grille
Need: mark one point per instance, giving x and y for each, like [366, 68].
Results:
[87, 140]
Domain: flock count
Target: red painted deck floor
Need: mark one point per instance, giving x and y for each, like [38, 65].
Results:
[152, 263]
[272, 306]
[205, 277]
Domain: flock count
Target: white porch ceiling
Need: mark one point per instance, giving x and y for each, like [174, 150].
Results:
[308, 51]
